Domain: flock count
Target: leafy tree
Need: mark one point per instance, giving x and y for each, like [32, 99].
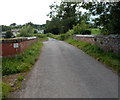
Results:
[68, 15]
[81, 28]
[6, 28]
[27, 31]
[63, 17]
[9, 34]
[13, 24]
[109, 15]
[29, 24]
[35, 31]
[53, 26]
[85, 17]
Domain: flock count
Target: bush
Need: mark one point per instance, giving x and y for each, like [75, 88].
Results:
[77, 29]
[27, 31]
[35, 31]
[81, 28]
[85, 32]
[9, 34]
[71, 32]
[65, 36]
[95, 31]
[49, 35]
[20, 78]
[40, 35]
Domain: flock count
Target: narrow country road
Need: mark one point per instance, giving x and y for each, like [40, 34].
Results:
[63, 71]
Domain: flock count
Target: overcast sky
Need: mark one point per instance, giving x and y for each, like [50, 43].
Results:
[23, 11]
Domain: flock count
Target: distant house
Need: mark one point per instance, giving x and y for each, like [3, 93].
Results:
[2, 34]
[15, 31]
[39, 31]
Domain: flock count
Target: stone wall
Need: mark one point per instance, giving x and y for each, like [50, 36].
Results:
[105, 42]
[108, 42]
[86, 38]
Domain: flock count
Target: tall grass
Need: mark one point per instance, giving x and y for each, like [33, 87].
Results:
[22, 62]
[6, 88]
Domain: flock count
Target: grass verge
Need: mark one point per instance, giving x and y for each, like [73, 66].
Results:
[20, 64]
[107, 58]
[6, 88]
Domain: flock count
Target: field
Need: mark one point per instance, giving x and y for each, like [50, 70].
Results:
[95, 31]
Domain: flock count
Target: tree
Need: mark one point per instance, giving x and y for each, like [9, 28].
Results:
[68, 15]
[81, 28]
[27, 31]
[63, 17]
[29, 23]
[9, 34]
[53, 26]
[5, 28]
[13, 24]
[109, 15]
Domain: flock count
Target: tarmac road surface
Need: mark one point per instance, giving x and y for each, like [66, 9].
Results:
[63, 71]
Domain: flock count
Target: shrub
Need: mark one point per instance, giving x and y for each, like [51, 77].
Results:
[40, 35]
[77, 29]
[9, 34]
[35, 31]
[27, 31]
[85, 32]
[49, 35]
[71, 32]
[20, 78]
[65, 36]
[95, 31]
[81, 28]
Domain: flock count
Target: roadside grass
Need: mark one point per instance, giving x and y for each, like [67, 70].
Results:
[6, 88]
[20, 78]
[19, 64]
[95, 31]
[107, 58]
[22, 62]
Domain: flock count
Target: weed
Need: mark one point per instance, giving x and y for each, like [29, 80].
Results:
[20, 78]
[6, 88]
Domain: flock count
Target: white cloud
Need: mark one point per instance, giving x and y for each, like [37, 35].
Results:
[23, 11]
